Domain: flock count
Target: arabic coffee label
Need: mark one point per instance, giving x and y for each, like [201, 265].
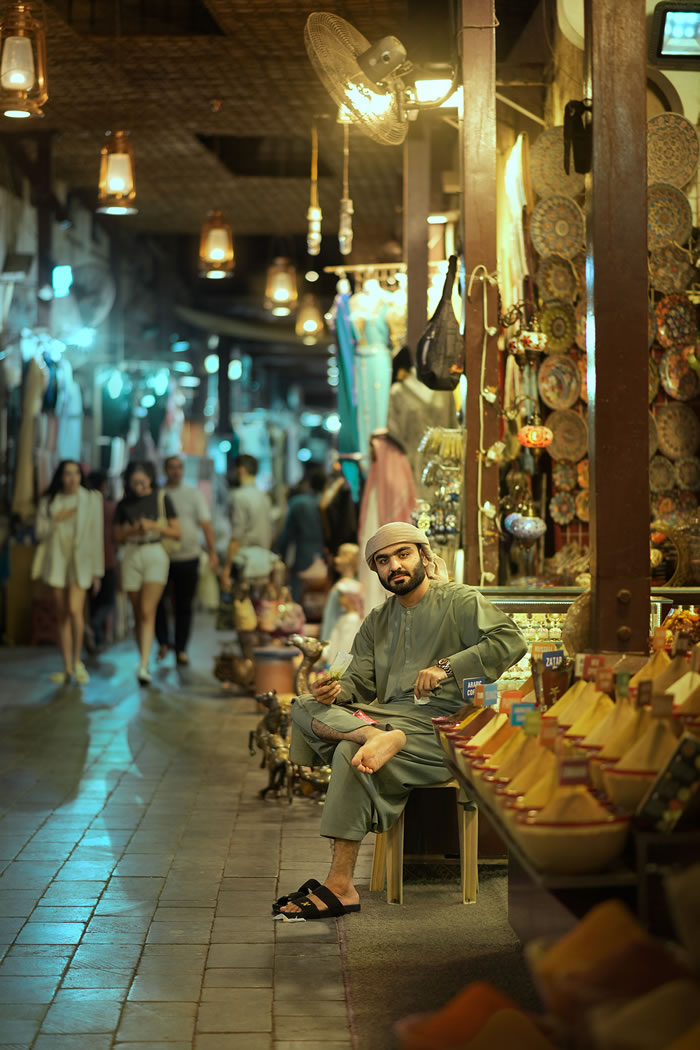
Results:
[469, 687]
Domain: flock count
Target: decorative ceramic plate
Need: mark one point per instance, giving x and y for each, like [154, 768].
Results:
[579, 262]
[678, 429]
[670, 268]
[653, 436]
[547, 172]
[672, 149]
[677, 377]
[558, 324]
[661, 474]
[669, 217]
[675, 321]
[570, 435]
[583, 473]
[668, 506]
[556, 279]
[688, 473]
[580, 322]
[651, 326]
[582, 365]
[562, 508]
[582, 508]
[557, 227]
[653, 379]
[564, 475]
[559, 382]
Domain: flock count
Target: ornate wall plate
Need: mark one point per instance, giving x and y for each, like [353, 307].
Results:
[582, 472]
[688, 473]
[651, 326]
[558, 324]
[653, 379]
[675, 321]
[678, 429]
[677, 377]
[580, 322]
[670, 268]
[582, 507]
[557, 227]
[653, 436]
[559, 382]
[547, 173]
[672, 149]
[564, 475]
[661, 474]
[557, 279]
[562, 507]
[570, 435]
[669, 217]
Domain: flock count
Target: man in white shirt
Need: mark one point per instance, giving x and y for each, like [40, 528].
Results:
[193, 515]
[251, 517]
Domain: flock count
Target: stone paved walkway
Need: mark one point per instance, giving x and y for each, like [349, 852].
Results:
[138, 865]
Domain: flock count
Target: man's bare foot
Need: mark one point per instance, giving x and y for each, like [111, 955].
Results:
[346, 897]
[377, 751]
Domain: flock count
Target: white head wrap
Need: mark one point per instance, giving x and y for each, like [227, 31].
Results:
[403, 532]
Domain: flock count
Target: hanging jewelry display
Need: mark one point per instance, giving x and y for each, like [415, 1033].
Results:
[439, 517]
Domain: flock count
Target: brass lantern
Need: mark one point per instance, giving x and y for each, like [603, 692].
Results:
[309, 323]
[116, 191]
[281, 288]
[216, 247]
[23, 89]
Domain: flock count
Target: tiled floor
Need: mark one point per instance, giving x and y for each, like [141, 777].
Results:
[138, 866]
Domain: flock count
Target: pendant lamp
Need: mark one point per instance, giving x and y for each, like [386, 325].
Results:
[309, 323]
[535, 435]
[314, 214]
[216, 258]
[346, 208]
[281, 288]
[23, 89]
[116, 191]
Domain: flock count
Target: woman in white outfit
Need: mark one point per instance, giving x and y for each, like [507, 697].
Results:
[141, 521]
[70, 558]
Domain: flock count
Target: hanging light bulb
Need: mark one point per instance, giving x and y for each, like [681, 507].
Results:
[346, 208]
[309, 323]
[23, 89]
[314, 214]
[116, 191]
[281, 288]
[216, 247]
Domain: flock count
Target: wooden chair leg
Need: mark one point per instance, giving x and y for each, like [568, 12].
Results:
[378, 876]
[394, 863]
[468, 852]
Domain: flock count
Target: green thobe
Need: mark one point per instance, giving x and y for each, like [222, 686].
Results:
[451, 621]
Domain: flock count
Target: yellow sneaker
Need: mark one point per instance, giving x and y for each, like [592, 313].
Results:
[80, 673]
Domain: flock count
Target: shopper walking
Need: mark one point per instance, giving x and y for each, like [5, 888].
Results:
[193, 514]
[70, 558]
[251, 523]
[143, 520]
[101, 604]
[302, 531]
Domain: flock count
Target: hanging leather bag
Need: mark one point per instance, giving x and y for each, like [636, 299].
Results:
[440, 350]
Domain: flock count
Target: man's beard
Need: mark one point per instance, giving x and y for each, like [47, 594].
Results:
[405, 586]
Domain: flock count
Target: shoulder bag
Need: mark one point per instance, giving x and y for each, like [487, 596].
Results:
[170, 545]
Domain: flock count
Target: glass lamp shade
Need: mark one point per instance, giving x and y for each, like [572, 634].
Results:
[525, 529]
[535, 435]
[216, 259]
[309, 323]
[116, 190]
[281, 286]
[345, 226]
[23, 89]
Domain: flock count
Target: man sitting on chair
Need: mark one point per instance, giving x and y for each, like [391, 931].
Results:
[411, 654]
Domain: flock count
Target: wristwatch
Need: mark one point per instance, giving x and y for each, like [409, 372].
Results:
[445, 666]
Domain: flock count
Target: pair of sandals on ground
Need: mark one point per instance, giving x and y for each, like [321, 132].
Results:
[309, 909]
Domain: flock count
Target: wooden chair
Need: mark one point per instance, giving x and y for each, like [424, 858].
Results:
[387, 861]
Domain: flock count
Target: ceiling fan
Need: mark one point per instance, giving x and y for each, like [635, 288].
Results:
[366, 78]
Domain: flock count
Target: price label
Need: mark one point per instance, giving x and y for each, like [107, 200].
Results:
[469, 687]
[532, 723]
[553, 659]
[578, 665]
[633, 693]
[592, 662]
[573, 771]
[538, 648]
[644, 690]
[604, 680]
[662, 705]
[659, 639]
[519, 712]
[510, 697]
[479, 695]
[491, 695]
[681, 643]
[622, 684]
[548, 734]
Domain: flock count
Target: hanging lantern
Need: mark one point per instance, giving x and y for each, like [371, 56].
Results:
[314, 214]
[346, 208]
[116, 191]
[216, 247]
[281, 288]
[535, 435]
[309, 323]
[23, 89]
[526, 528]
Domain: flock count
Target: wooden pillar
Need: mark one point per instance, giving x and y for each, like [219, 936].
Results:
[478, 164]
[618, 358]
[416, 206]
